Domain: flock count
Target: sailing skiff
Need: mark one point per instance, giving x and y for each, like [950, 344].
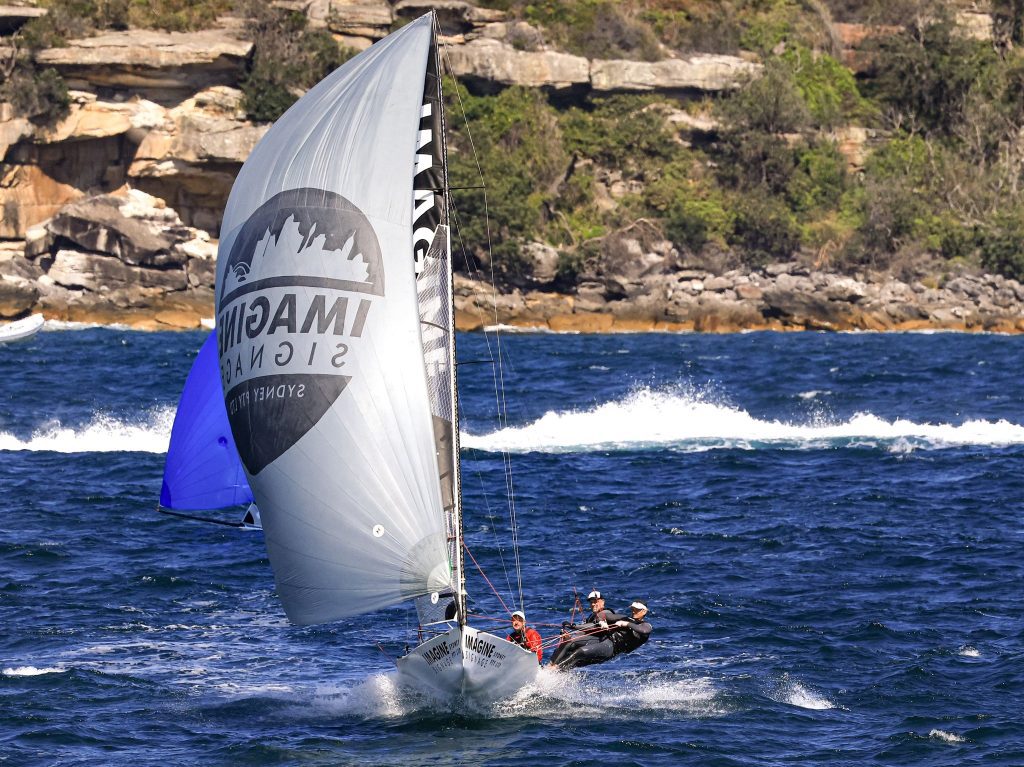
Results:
[335, 350]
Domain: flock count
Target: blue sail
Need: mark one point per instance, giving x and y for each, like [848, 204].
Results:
[203, 470]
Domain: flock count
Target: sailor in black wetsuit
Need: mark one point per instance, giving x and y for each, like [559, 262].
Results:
[623, 635]
[633, 631]
[594, 627]
[598, 614]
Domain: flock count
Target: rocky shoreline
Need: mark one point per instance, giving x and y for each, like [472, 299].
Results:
[781, 297]
[128, 259]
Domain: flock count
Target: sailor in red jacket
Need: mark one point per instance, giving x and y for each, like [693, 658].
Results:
[525, 637]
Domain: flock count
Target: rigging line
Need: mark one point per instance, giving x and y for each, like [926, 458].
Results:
[488, 580]
[197, 518]
[494, 534]
[502, 407]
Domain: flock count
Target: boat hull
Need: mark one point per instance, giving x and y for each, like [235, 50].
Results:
[19, 330]
[465, 663]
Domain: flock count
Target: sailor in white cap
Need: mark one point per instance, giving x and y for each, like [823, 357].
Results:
[525, 637]
[598, 613]
[631, 632]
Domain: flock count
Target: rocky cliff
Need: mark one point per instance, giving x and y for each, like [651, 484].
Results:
[113, 213]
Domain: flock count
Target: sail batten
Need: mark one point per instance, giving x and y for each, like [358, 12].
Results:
[320, 352]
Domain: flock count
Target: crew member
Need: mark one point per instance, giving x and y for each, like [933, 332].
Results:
[624, 635]
[631, 632]
[598, 614]
[525, 637]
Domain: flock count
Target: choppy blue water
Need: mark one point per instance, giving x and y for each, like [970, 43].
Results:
[828, 529]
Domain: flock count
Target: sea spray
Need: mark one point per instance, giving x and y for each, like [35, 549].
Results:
[690, 421]
[103, 433]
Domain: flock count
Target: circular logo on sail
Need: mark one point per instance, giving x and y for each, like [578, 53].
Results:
[293, 301]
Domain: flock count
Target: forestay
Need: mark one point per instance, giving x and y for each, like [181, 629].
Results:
[320, 346]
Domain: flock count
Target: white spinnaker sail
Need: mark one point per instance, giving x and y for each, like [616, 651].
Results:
[319, 339]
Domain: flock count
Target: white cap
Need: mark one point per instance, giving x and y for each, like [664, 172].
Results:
[595, 594]
[638, 606]
[519, 614]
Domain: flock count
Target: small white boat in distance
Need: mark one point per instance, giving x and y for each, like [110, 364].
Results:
[21, 329]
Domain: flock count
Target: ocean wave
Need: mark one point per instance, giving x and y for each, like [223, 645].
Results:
[32, 671]
[947, 737]
[102, 434]
[688, 420]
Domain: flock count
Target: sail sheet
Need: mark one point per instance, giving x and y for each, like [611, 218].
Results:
[321, 358]
[202, 470]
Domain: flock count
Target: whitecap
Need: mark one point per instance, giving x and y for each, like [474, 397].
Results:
[104, 433]
[685, 419]
[794, 693]
[947, 737]
[33, 671]
[970, 652]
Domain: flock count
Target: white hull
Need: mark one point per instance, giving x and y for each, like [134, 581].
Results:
[468, 664]
[21, 329]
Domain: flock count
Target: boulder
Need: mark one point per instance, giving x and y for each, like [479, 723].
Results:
[136, 229]
[102, 274]
[12, 128]
[542, 261]
[192, 159]
[17, 296]
[796, 307]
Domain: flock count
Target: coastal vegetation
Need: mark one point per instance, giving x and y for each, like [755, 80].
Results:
[933, 187]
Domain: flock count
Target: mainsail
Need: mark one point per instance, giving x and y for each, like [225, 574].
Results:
[320, 344]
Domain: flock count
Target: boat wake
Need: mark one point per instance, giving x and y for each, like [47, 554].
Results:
[104, 433]
[554, 694]
[645, 419]
[690, 422]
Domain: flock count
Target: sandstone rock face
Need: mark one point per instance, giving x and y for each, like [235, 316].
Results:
[192, 157]
[359, 18]
[454, 16]
[707, 73]
[14, 17]
[492, 62]
[165, 67]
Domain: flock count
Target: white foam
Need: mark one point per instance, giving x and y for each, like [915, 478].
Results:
[800, 696]
[947, 737]
[692, 421]
[502, 328]
[969, 652]
[32, 671]
[794, 693]
[103, 434]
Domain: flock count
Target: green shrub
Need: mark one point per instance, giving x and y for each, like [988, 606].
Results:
[925, 75]
[597, 29]
[765, 230]
[1002, 245]
[518, 145]
[628, 133]
[40, 95]
[828, 89]
[287, 59]
[819, 180]
[69, 19]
